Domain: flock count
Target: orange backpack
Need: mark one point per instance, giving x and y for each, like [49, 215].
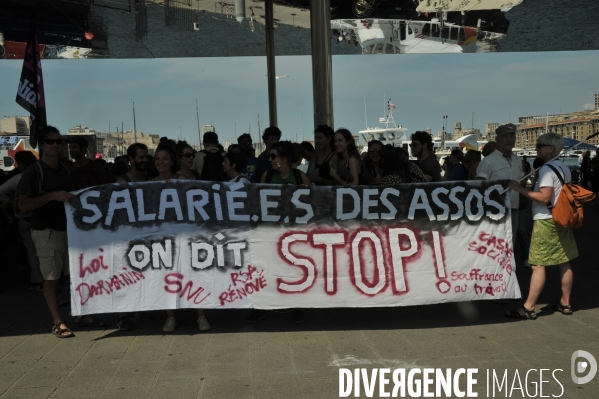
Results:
[567, 210]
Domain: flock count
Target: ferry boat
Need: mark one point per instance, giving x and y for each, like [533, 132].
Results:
[396, 135]
[390, 133]
[402, 36]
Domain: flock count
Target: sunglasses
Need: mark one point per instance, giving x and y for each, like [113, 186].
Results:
[189, 155]
[374, 150]
[50, 141]
[539, 146]
[272, 155]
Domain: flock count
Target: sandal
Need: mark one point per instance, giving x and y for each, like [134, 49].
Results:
[59, 332]
[563, 309]
[95, 323]
[521, 313]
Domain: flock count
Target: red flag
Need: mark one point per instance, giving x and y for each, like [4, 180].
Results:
[30, 94]
[391, 105]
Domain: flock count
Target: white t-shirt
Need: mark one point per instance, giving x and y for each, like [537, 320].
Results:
[548, 178]
[497, 167]
[240, 179]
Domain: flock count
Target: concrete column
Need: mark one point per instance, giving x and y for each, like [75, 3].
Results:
[270, 62]
[322, 75]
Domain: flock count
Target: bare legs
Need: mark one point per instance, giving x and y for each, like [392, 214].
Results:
[567, 279]
[52, 295]
[537, 282]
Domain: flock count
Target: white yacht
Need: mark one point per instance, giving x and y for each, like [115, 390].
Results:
[389, 133]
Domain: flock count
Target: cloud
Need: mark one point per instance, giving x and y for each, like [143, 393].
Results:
[588, 106]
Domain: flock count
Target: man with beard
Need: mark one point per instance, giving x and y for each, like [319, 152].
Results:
[422, 148]
[138, 159]
[84, 171]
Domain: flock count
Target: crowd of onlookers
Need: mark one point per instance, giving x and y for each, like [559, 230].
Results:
[33, 214]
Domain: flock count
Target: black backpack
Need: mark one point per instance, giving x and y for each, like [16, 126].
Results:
[213, 166]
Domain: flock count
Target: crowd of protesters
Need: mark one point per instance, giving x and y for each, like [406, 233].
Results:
[39, 188]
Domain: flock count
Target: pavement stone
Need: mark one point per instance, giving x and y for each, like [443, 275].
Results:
[277, 359]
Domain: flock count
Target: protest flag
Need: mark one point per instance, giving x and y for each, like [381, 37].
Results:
[30, 94]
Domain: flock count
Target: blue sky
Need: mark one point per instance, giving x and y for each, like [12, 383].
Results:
[231, 92]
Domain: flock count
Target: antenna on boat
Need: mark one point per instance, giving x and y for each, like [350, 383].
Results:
[365, 114]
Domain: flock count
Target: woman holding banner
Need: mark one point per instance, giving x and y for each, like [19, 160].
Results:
[282, 155]
[345, 164]
[551, 244]
[167, 164]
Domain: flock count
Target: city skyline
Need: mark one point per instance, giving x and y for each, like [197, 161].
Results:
[232, 92]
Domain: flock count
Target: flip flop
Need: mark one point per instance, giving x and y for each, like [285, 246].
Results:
[563, 309]
[58, 332]
[521, 313]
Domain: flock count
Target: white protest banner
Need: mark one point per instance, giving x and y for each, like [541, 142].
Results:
[190, 244]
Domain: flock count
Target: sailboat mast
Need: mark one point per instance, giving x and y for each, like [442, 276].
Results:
[198, 121]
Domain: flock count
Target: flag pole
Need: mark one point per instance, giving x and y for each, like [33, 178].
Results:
[30, 93]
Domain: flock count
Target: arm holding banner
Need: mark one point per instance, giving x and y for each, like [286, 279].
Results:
[543, 195]
[352, 170]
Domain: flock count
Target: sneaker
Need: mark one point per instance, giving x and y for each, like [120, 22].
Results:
[255, 316]
[170, 325]
[298, 316]
[526, 264]
[124, 323]
[203, 323]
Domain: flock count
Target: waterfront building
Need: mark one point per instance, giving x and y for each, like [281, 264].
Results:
[577, 128]
[15, 125]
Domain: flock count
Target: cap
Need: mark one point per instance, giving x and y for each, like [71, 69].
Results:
[508, 128]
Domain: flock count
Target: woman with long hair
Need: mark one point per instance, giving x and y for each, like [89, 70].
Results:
[345, 163]
[319, 170]
[372, 165]
[186, 154]
[398, 171]
[551, 244]
[282, 156]
[167, 164]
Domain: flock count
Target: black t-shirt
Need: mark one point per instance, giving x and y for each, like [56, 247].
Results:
[52, 215]
[430, 166]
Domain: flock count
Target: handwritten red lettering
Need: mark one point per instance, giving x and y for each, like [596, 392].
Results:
[174, 285]
[95, 265]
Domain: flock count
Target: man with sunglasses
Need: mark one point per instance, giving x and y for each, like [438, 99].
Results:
[270, 137]
[43, 189]
[503, 164]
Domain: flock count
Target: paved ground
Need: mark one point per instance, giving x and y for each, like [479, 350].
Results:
[277, 359]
